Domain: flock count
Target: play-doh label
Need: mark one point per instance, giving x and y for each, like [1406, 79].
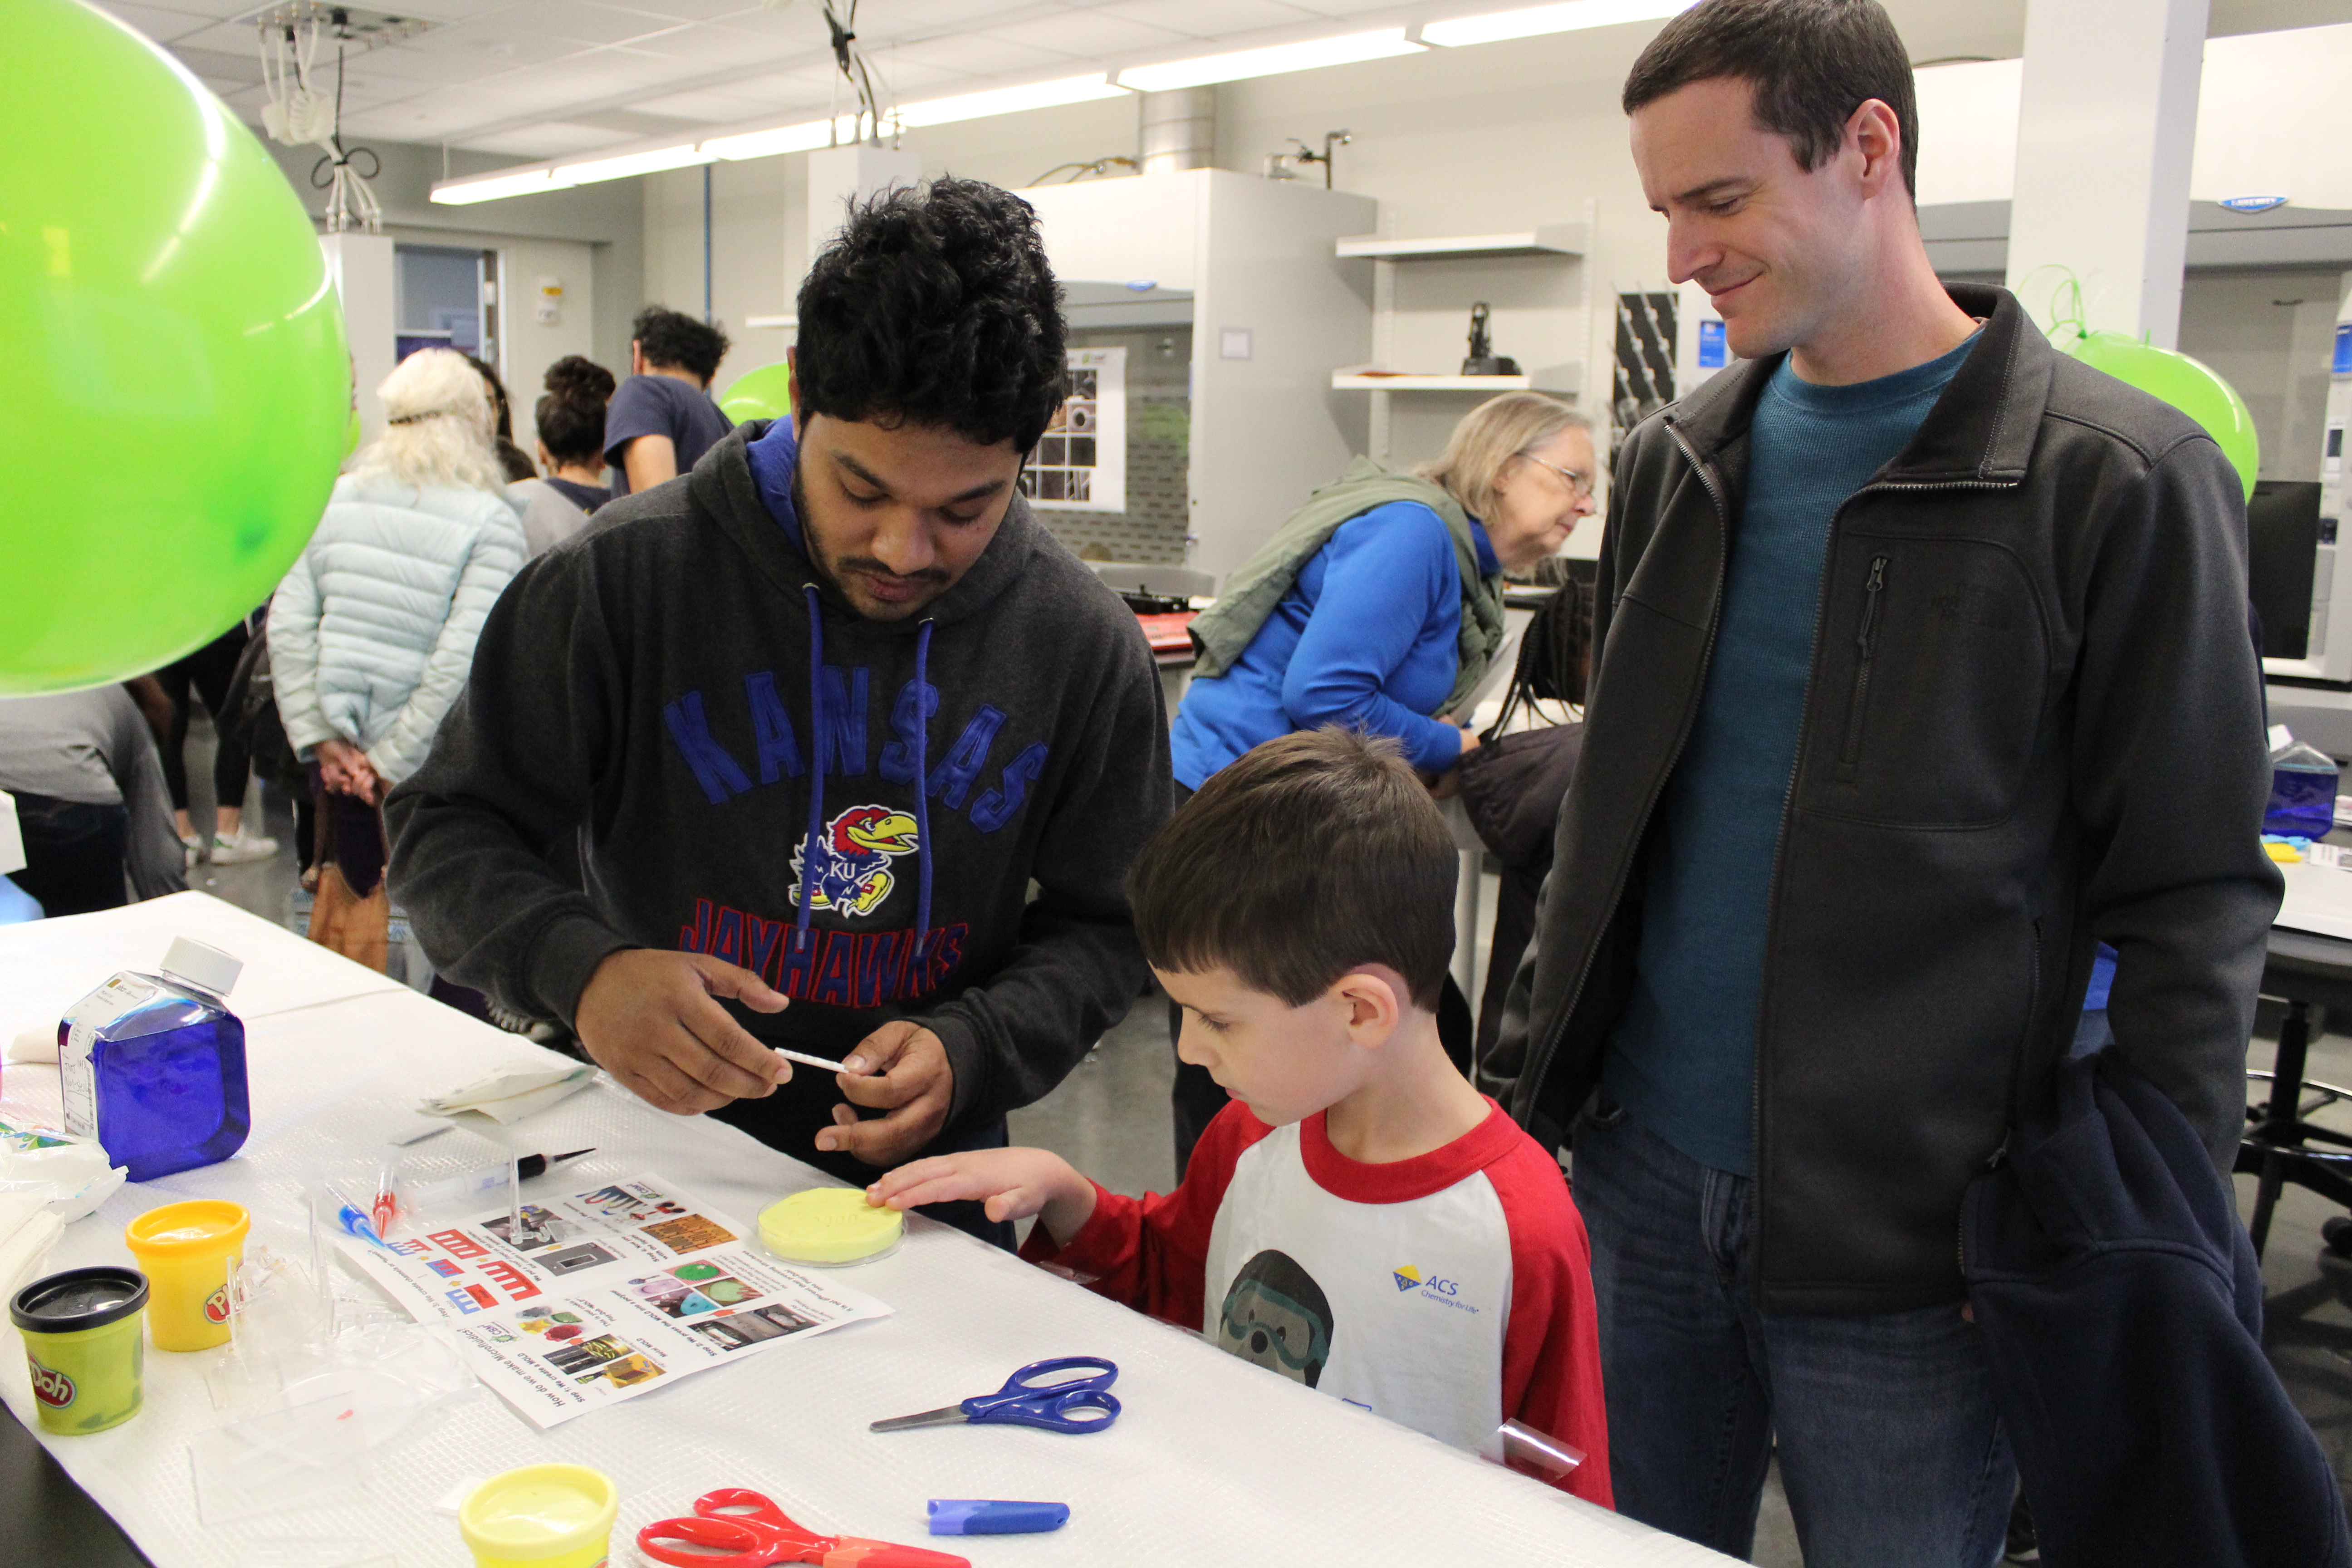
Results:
[217, 1306]
[50, 1386]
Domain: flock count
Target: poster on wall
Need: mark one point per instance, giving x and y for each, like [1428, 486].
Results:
[1080, 464]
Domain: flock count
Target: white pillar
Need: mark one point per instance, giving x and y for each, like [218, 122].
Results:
[367, 283]
[2105, 126]
[839, 175]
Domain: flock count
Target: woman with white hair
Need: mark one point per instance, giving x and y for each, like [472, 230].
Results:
[372, 633]
[1376, 606]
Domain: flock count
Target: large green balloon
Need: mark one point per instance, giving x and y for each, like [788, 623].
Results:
[762, 394]
[2188, 384]
[173, 384]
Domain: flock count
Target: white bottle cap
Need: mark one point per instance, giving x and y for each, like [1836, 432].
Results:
[206, 968]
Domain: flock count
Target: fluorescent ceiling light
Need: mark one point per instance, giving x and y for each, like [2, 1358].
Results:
[491, 187]
[768, 144]
[1246, 63]
[1569, 17]
[1010, 101]
[628, 164]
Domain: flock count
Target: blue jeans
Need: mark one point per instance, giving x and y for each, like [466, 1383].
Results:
[1891, 1451]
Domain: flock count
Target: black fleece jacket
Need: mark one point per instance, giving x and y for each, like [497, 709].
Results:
[2034, 722]
[676, 687]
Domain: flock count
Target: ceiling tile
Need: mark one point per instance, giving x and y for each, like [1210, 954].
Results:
[1210, 18]
[545, 140]
[979, 55]
[1089, 35]
[160, 22]
[709, 108]
[704, 45]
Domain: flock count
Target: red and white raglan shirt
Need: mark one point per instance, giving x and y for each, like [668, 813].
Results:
[1447, 1292]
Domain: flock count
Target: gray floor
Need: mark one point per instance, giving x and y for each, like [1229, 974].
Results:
[1109, 1118]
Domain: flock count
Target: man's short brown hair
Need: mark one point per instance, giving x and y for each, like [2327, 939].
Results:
[1811, 62]
[1315, 853]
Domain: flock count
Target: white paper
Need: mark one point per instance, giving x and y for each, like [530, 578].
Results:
[632, 1285]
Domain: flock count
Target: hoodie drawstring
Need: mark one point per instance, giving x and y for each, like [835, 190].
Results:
[922, 794]
[814, 844]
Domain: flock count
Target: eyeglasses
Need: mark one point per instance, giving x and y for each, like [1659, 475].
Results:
[1580, 486]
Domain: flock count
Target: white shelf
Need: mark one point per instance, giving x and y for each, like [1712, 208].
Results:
[1552, 239]
[787, 323]
[1558, 378]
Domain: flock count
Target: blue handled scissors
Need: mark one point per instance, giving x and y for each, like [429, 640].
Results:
[1039, 1394]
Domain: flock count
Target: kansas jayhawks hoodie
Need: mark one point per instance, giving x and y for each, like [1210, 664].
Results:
[926, 819]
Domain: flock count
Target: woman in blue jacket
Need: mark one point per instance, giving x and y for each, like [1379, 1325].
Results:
[1376, 606]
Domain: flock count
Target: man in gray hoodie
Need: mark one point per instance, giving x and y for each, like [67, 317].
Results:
[819, 714]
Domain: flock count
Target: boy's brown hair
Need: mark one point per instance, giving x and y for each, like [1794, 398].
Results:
[1315, 853]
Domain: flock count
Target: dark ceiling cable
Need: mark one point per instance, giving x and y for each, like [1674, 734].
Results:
[843, 30]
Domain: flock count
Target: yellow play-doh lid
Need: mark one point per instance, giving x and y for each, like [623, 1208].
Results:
[538, 1513]
[829, 1224]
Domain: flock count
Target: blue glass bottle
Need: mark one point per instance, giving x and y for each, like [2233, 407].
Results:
[2304, 782]
[153, 1066]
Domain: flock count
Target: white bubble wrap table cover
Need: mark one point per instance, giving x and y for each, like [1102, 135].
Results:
[1214, 1461]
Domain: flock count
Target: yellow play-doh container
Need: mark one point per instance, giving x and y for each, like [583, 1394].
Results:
[829, 1226]
[545, 1516]
[185, 1250]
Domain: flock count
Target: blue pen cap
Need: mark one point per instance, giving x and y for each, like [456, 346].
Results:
[976, 1516]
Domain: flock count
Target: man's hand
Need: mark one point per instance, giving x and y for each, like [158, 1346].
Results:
[1011, 1184]
[913, 1082]
[648, 1018]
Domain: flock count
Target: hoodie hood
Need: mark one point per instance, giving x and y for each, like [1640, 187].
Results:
[746, 482]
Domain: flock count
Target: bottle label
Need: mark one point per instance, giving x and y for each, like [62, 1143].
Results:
[76, 1075]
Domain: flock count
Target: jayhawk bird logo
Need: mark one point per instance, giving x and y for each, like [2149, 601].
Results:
[853, 867]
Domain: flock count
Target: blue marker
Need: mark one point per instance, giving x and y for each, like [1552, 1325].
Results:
[974, 1516]
[355, 1222]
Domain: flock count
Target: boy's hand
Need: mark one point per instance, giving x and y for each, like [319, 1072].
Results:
[1011, 1184]
[900, 1068]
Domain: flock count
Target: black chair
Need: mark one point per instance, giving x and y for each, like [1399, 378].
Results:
[2303, 971]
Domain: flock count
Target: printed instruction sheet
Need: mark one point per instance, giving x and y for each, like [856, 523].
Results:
[608, 1292]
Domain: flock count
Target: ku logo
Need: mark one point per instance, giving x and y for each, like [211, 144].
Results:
[853, 867]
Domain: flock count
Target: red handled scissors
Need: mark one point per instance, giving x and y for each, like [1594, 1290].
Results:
[734, 1528]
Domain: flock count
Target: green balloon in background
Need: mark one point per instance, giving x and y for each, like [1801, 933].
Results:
[174, 388]
[762, 394]
[2190, 385]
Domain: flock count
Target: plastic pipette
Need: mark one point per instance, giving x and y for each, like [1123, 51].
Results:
[806, 1060]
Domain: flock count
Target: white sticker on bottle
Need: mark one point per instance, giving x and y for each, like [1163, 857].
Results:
[77, 1079]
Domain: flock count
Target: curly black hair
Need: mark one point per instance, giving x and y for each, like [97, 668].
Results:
[936, 306]
[570, 416]
[672, 339]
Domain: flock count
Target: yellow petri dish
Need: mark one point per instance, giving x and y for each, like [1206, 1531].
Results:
[829, 1226]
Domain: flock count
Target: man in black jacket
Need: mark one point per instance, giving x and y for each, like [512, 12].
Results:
[1922, 667]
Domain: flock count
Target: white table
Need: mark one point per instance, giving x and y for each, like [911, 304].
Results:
[1214, 1460]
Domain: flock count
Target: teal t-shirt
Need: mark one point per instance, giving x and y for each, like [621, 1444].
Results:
[1682, 1059]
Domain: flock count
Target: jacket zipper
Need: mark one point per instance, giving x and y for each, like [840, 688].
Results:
[1866, 641]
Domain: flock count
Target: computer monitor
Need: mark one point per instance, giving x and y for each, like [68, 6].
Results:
[2282, 542]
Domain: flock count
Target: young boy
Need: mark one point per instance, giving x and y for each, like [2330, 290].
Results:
[1359, 1219]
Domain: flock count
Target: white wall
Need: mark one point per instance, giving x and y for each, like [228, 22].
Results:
[527, 345]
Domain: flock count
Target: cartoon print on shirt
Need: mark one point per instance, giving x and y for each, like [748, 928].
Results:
[1275, 1315]
[853, 868]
